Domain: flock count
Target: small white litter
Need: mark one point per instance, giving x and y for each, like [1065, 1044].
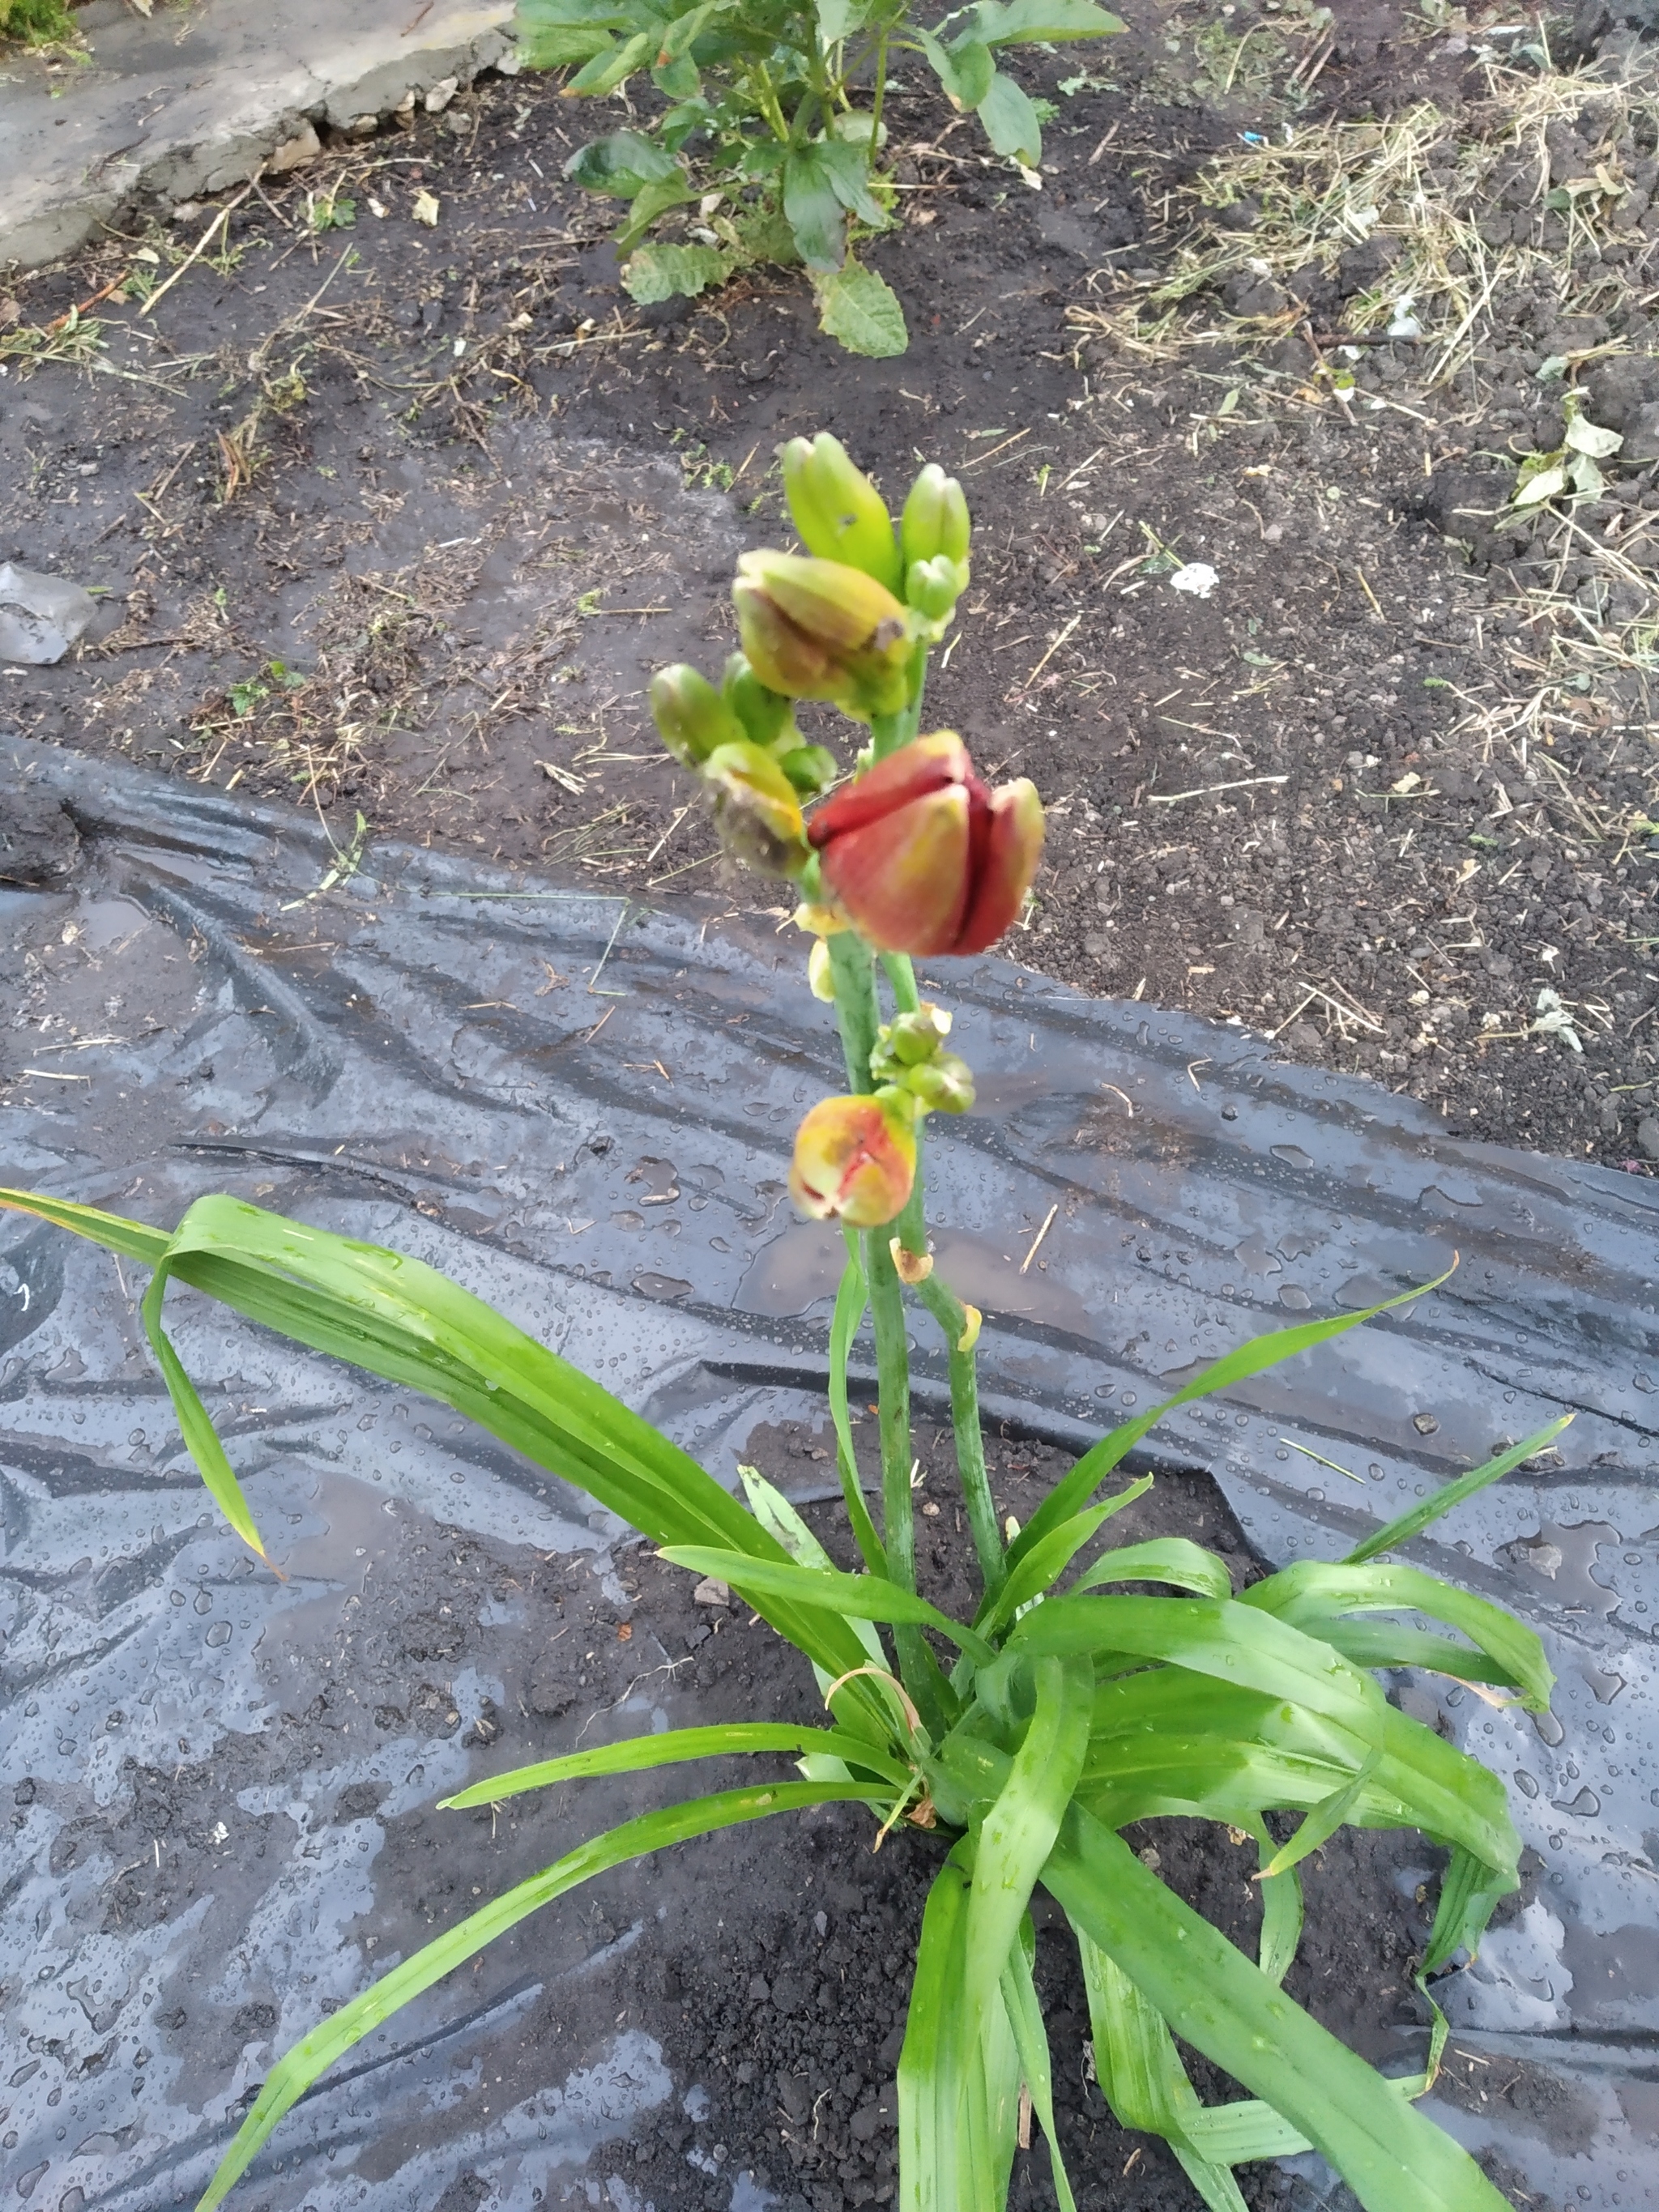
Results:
[1198, 577]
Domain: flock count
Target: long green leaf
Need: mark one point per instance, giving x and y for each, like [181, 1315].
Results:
[1311, 1593]
[1174, 1559]
[1393, 2158]
[1024, 2014]
[315, 2053]
[851, 1299]
[1045, 1563]
[410, 1324]
[859, 1597]
[1073, 1494]
[675, 1746]
[1412, 1523]
[1220, 1637]
[958, 2097]
[1141, 2077]
[1281, 1908]
[1016, 1832]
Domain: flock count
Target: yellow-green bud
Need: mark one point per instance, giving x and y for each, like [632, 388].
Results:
[766, 716]
[935, 519]
[932, 588]
[909, 1039]
[691, 718]
[811, 769]
[944, 1085]
[839, 513]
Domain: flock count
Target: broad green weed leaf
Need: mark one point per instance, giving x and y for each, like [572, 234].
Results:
[861, 310]
[671, 272]
[1021, 21]
[816, 216]
[848, 167]
[605, 71]
[553, 33]
[620, 164]
[650, 201]
[1011, 121]
[964, 69]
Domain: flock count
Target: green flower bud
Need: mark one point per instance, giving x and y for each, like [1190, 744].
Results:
[839, 513]
[909, 1039]
[691, 718]
[811, 769]
[766, 716]
[935, 519]
[932, 588]
[945, 1085]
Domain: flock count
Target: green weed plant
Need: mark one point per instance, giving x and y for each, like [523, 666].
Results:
[769, 125]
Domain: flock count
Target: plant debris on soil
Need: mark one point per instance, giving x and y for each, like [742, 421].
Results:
[395, 500]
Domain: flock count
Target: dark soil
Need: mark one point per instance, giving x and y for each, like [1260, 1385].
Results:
[771, 1965]
[487, 496]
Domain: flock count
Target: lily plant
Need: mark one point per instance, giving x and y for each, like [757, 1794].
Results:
[1091, 1689]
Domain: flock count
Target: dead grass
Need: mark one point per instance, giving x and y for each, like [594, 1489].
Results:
[1463, 209]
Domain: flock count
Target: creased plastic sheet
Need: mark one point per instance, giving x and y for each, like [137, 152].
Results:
[584, 1110]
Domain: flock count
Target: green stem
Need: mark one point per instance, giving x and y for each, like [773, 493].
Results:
[893, 1376]
[902, 978]
[768, 103]
[856, 1011]
[881, 88]
[948, 1311]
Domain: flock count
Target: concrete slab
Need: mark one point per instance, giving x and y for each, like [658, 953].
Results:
[173, 105]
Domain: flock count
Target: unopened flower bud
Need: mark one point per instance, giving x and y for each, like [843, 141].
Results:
[908, 1039]
[755, 810]
[839, 513]
[691, 718]
[817, 630]
[855, 1160]
[966, 1342]
[810, 769]
[766, 716]
[941, 1086]
[924, 858]
[935, 520]
[932, 588]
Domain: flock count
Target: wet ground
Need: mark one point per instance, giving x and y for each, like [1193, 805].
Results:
[396, 518]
